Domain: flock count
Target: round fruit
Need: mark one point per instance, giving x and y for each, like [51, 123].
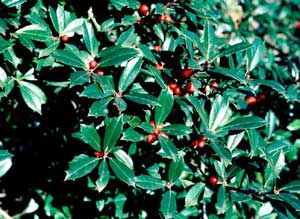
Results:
[99, 72]
[201, 143]
[187, 72]
[213, 180]
[99, 154]
[93, 64]
[297, 24]
[144, 9]
[195, 143]
[162, 18]
[262, 97]
[214, 85]
[151, 138]
[159, 67]
[64, 38]
[190, 88]
[177, 91]
[172, 85]
[251, 100]
[157, 48]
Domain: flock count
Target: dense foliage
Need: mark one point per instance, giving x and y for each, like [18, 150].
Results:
[162, 109]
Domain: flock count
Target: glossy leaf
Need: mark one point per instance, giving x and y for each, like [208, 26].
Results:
[90, 136]
[144, 99]
[5, 161]
[79, 78]
[176, 129]
[243, 123]
[162, 111]
[90, 39]
[104, 176]
[192, 196]
[124, 173]
[149, 182]
[112, 133]
[80, 166]
[168, 147]
[175, 169]
[168, 205]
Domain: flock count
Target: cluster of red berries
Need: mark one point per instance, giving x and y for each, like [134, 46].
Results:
[297, 25]
[153, 136]
[92, 65]
[144, 10]
[174, 87]
[254, 100]
[200, 143]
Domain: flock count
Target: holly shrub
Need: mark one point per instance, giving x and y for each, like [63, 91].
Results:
[154, 109]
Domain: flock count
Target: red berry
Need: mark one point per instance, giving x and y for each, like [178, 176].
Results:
[214, 85]
[162, 18]
[262, 97]
[177, 91]
[251, 100]
[187, 73]
[202, 136]
[195, 143]
[172, 85]
[201, 143]
[144, 9]
[159, 67]
[99, 154]
[99, 72]
[64, 38]
[152, 123]
[297, 25]
[151, 138]
[157, 48]
[168, 18]
[213, 180]
[190, 88]
[93, 64]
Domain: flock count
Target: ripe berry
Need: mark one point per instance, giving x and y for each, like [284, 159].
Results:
[214, 85]
[157, 48]
[162, 18]
[213, 180]
[64, 38]
[297, 25]
[172, 85]
[159, 67]
[262, 97]
[99, 72]
[151, 138]
[177, 91]
[201, 143]
[187, 72]
[144, 9]
[99, 154]
[190, 88]
[93, 64]
[152, 123]
[251, 100]
[195, 143]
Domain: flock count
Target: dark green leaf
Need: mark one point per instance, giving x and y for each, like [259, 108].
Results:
[90, 136]
[112, 133]
[79, 78]
[293, 187]
[168, 204]
[133, 136]
[5, 161]
[99, 108]
[199, 106]
[35, 32]
[219, 113]
[80, 166]
[104, 176]
[166, 102]
[243, 123]
[192, 196]
[4, 45]
[130, 73]
[175, 169]
[92, 91]
[149, 182]
[90, 39]
[70, 56]
[141, 98]
[124, 173]
[168, 147]
[221, 151]
[176, 129]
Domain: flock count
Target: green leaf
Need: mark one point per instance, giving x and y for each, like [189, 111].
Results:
[90, 39]
[70, 56]
[270, 83]
[144, 99]
[54, 20]
[130, 73]
[112, 133]
[99, 108]
[236, 74]
[271, 123]
[35, 32]
[133, 136]
[13, 3]
[90, 136]
[294, 125]
[116, 55]
[149, 182]
[199, 106]
[123, 157]
[79, 78]
[73, 26]
[293, 187]
[234, 49]
[127, 38]
[5, 161]
[192, 196]
[92, 91]
[255, 54]
[80, 166]
[208, 40]
[124, 173]
[33, 96]
[147, 53]
[276, 162]
[234, 140]
[220, 113]
[4, 45]
[168, 147]
[104, 176]
[168, 204]
[175, 170]
[119, 4]
[243, 123]
[162, 111]
[221, 152]
[176, 129]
